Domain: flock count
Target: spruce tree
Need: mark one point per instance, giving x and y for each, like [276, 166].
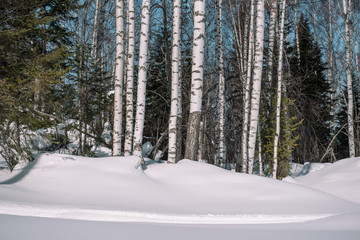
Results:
[310, 90]
[34, 48]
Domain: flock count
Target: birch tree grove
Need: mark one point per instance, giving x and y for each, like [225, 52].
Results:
[119, 77]
[175, 75]
[221, 87]
[130, 78]
[256, 83]
[192, 138]
[141, 90]
[198, 71]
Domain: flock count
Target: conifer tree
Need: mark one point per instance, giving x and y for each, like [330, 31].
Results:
[310, 90]
[34, 47]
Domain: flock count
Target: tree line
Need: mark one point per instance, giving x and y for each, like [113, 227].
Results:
[248, 85]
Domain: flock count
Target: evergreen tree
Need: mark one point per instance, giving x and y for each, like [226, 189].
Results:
[310, 90]
[34, 48]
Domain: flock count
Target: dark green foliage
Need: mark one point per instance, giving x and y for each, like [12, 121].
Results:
[33, 53]
[158, 93]
[310, 90]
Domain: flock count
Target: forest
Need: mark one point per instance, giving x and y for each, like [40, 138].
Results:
[248, 85]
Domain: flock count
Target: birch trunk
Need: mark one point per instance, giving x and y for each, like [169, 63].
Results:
[175, 76]
[221, 87]
[141, 89]
[119, 77]
[272, 31]
[244, 138]
[330, 68]
[297, 34]
[350, 106]
[279, 89]
[192, 138]
[129, 122]
[261, 171]
[256, 83]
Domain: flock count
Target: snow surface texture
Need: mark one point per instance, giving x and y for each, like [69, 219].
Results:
[170, 201]
[341, 178]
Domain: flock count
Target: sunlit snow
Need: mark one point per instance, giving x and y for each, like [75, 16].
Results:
[172, 201]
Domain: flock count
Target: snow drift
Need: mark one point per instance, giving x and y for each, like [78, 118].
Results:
[120, 189]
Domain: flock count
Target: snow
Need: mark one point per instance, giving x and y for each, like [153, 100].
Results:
[341, 178]
[70, 197]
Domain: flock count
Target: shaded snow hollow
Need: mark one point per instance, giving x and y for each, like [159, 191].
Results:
[120, 189]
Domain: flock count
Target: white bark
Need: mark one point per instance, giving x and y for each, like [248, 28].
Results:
[95, 28]
[261, 170]
[279, 88]
[221, 87]
[330, 68]
[130, 79]
[196, 80]
[244, 138]
[297, 34]
[256, 83]
[272, 31]
[350, 104]
[119, 77]
[141, 89]
[175, 77]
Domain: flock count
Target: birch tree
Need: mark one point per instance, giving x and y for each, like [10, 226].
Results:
[256, 83]
[244, 137]
[130, 78]
[141, 88]
[192, 137]
[175, 75]
[119, 77]
[272, 30]
[349, 81]
[330, 66]
[221, 87]
[279, 88]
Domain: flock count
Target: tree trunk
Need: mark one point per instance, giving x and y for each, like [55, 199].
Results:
[221, 87]
[330, 69]
[192, 137]
[256, 83]
[279, 89]
[272, 31]
[175, 76]
[119, 77]
[192, 143]
[245, 127]
[130, 79]
[141, 90]
[350, 104]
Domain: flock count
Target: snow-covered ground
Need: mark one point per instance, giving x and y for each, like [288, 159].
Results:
[71, 197]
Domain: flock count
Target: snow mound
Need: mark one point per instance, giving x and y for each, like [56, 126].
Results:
[120, 189]
[341, 178]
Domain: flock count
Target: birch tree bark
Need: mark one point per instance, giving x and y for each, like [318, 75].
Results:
[279, 88]
[350, 104]
[119, 77]
[256, 83]
[192, 138]
[330, 68]
[175, 77]
[129, 122]
[141, 89]
[244, 138]
[272, 31]
[297, 33]
[221, 87]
